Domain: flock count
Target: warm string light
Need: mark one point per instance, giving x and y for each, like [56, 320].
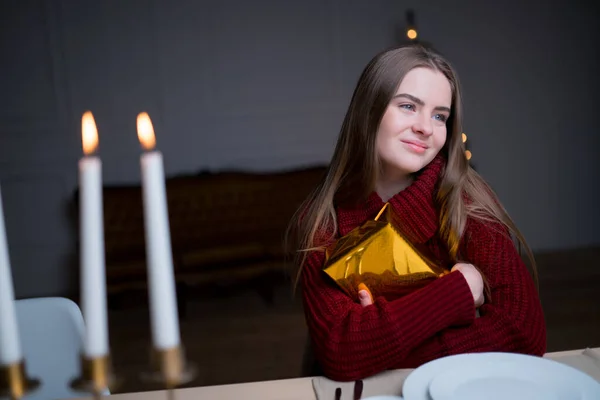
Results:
[411, 26]
[468, 154]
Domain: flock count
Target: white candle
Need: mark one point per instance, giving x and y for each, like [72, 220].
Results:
[163, 303]
[93, 279]
[10, 344]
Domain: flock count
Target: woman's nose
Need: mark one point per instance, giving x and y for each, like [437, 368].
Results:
[423, 125]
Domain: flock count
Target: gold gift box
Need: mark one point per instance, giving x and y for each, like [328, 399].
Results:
[376, 250]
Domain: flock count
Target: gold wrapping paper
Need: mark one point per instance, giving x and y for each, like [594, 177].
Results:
[376, 252]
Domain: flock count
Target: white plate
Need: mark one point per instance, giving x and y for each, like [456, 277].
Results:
[498, 376]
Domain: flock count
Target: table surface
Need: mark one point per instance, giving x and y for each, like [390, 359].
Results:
[285, 389]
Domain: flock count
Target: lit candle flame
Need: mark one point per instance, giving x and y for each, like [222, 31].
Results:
[412, 34]
[89, 133]
[468, 154]
[464, 138]
[145, 131]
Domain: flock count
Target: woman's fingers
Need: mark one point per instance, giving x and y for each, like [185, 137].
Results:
[364, 295]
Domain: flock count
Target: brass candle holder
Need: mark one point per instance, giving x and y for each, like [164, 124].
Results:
[14, 381]
[97, 376]
[170, 369]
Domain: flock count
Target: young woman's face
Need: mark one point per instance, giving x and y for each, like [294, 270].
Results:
[413, 128]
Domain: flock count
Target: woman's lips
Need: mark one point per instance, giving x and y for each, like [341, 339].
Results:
[416, 147]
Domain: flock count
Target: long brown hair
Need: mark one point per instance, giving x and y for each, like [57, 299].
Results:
[353, 169]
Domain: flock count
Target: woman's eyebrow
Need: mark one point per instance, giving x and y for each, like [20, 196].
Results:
[420, 102]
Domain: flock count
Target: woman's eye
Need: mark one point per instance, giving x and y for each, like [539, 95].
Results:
[409, 107]
[441, 117]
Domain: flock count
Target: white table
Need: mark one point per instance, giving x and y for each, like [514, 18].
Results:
[285, 389]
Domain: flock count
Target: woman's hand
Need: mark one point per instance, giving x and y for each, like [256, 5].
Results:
[364, 295]
[474, 280]
[471, 274]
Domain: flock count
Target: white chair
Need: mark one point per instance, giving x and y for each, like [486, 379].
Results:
[51, 331]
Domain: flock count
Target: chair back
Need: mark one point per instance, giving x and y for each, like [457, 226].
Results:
[51, 331]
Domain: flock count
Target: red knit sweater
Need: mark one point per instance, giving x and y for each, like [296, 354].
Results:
[353, 342]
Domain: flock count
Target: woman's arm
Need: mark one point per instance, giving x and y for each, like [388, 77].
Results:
[352, 342]
[513, 321]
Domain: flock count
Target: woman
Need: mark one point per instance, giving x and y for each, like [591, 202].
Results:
[401, 143]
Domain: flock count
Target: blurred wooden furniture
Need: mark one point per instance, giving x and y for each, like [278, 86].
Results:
[226, 228]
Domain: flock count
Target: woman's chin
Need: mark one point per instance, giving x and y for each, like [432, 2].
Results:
[412, 165]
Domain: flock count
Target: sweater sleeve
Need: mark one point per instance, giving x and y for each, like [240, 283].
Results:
[512, 321]
[353, 342]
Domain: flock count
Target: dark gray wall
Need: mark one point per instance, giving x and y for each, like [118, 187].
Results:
[264, 84]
